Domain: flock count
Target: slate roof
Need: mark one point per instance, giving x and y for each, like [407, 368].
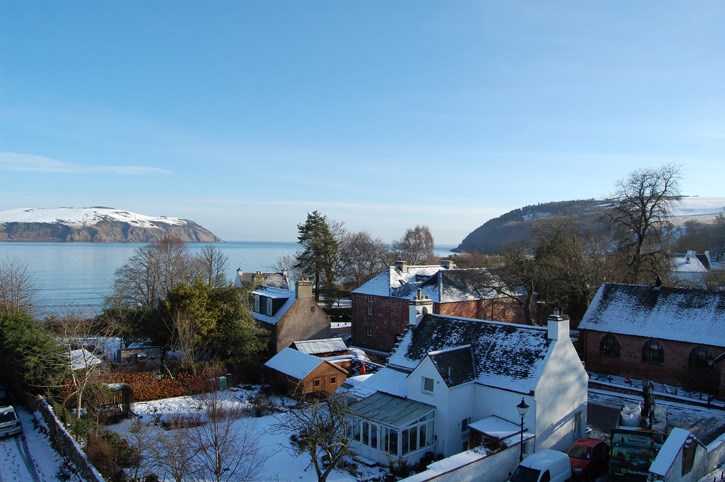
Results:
[687, 315]
[275, 293]
[276, 280]
[455, 365]
[505, 355]
[439, 284]
[315, 347]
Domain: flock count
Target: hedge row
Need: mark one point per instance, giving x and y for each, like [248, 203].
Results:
[148, 386]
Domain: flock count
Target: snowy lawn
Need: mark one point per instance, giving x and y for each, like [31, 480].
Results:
[279, 462]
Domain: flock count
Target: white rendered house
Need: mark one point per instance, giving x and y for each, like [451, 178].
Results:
[449, 376]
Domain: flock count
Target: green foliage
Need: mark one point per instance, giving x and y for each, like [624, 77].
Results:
[214, 322]
[30, 356]
[319, 255]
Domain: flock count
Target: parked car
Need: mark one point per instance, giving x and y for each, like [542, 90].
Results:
[9, 422]
[589, 458]
[543, 466]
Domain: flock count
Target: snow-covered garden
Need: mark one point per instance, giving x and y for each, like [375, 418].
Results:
[265, 448]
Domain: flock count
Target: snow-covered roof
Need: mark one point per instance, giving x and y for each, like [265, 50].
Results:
[667, 454]
[82, 358]
[273, 292]
[315, 347]
[687, 263]
[83, 216]
[294, 363]
[386, 282]
[278, 294]
[388, 380]
[506, 355]
[687, 315]
[276, 280]
[496, 427]
[438, 283]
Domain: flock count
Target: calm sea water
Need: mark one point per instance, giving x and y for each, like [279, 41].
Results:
[80, 275]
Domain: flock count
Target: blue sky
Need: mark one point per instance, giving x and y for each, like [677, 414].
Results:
[246, 115]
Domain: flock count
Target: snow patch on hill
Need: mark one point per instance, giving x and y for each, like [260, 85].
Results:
[83, 217]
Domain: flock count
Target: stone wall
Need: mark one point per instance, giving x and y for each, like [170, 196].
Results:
[65, 444]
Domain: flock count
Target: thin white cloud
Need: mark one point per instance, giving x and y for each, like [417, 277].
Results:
[19, 162]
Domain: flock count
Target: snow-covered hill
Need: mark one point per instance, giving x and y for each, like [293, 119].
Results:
[95, 224]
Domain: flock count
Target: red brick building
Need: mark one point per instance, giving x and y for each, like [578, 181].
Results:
[668, 335]
[381, 308]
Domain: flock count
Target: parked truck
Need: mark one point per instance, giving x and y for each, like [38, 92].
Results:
[637, 439]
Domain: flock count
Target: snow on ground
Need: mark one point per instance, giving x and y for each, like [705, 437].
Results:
[31, 460]
[705, 423]
[280, 463]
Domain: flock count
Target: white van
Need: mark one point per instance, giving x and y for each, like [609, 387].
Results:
[543, 466]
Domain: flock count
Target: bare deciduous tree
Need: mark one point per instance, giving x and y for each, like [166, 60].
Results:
[151, 272]
[319, 429]
[83, 340]
[416, 246]
[17, 287]
[227, 446]
[362, 257]
[640, 218]
[212, 264]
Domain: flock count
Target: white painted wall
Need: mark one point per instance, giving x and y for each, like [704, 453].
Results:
[561, 393]
[471, 467]
[452, 406]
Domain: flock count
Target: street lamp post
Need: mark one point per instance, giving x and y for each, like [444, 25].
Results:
[522, 408]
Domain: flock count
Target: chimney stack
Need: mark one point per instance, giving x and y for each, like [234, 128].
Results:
[303, 289]
[448, 264]
[558, 326]
[418, 307]
[402, 266]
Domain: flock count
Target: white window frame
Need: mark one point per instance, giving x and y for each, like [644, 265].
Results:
[424, 381]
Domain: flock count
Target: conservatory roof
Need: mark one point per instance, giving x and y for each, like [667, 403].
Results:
[392, 411]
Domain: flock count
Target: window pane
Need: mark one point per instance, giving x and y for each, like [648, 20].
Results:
[413, 439]
[422, 442]
[393, 442]
[374, 436]
[404, 439]
[365, 433]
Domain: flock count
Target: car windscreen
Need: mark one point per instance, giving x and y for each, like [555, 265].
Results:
[525, 474]
[579, 452]
[7, 417]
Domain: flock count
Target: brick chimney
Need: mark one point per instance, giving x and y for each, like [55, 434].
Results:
[402, 266]
[418, 307]
[558, 326]
[303, 289]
